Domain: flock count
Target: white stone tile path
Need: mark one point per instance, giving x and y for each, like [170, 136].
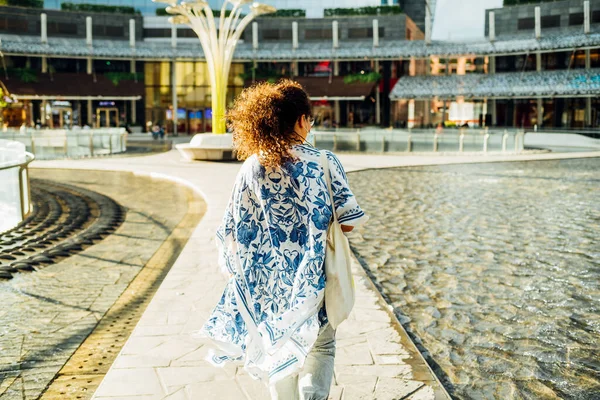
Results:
[375, 359]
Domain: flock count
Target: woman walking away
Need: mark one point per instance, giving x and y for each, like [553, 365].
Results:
[271, 316]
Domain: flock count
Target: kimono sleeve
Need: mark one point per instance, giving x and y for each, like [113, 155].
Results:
[225, 236]
[346, 207]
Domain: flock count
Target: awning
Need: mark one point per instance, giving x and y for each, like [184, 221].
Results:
[561, 83]
[334, 88]
[73, 86]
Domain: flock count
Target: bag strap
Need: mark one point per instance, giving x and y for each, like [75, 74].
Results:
[325, 164]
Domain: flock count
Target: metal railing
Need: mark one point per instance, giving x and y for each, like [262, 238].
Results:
[60, 143]
[15, 174]
[409, 141]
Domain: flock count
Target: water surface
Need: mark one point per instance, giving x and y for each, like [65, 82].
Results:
[495, 268]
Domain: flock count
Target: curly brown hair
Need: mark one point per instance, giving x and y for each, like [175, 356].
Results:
[262, 120]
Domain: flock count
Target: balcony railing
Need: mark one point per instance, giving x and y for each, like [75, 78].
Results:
[48, 144]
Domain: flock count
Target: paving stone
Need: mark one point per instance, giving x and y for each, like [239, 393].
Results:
[357, 354]
[424, 393]
[392, 388]
[385, 341]
[131, 382]
[252, 388]
[215, 390]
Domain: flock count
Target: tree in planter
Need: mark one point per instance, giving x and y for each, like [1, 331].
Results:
[218, 44]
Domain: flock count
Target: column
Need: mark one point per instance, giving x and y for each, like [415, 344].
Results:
[88, 31]
[335, 34]
[44, 39]
[133, 102]
[174, 95]
[540, 112]
[44, 28]
[173, 35]
[90, 120]
[492, 102]
[538, 23]
[294, 35]
[336, 103]
[377, 98]
[586, 17]
[540, 103]
[588, 111]
[588, 100]
[411, 113]
[255, 35]
[131, 32]
[491, 26]
[88, 41]
[387, 73]
[375, 33]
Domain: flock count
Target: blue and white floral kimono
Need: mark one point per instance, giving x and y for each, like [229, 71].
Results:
[272, 245]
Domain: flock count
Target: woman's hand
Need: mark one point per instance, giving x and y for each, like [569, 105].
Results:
[346, 228]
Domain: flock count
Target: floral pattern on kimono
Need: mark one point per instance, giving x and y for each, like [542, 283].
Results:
[272, 246]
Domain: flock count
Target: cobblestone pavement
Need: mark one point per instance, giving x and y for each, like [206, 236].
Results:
[161, 360]
[46, 315]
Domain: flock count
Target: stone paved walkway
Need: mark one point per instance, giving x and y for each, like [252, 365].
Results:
[162, 361]
[45, 315]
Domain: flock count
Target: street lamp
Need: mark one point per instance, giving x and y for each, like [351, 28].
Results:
[218, 44]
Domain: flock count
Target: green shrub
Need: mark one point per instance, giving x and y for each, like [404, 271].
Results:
[98, 8]
[362, 78]
[23, 3]
[519, 2]
[374, 10]
[116, 77]
[291, 12]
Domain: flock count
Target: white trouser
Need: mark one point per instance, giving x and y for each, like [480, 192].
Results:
[314, 380]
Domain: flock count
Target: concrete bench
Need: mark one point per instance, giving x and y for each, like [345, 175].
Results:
[208, 147]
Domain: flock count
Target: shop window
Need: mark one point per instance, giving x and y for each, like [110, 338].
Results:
[316, 34]
[576, 19]
[550, 21]
[526, 23]
[596, 16]
[13, 25]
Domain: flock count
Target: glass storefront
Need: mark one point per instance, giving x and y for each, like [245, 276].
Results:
[193, 90]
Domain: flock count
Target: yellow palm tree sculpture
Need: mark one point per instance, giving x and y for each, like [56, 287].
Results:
[218, 45]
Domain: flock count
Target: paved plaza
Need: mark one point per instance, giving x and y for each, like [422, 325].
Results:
[162, 359]
[47, 314]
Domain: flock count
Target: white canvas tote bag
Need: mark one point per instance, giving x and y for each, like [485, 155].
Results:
[339, 288]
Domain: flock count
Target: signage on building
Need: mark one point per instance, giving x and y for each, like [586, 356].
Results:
[61, 103]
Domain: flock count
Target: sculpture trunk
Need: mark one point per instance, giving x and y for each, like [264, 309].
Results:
[218, 102]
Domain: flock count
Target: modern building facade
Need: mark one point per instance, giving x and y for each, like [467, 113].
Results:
[101, 69]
